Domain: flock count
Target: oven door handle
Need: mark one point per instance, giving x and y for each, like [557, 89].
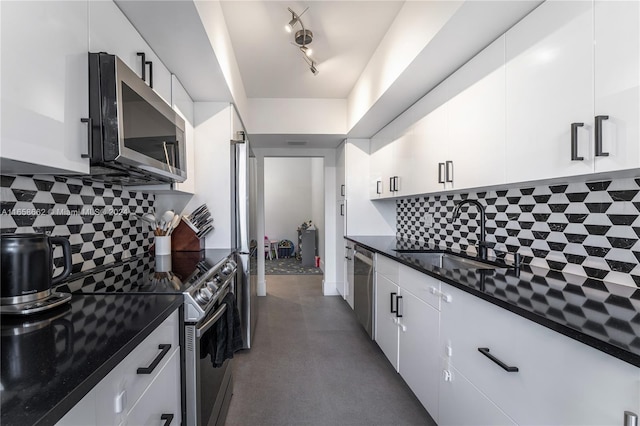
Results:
[207, 325]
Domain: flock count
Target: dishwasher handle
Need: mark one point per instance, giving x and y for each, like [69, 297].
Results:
[364, 258]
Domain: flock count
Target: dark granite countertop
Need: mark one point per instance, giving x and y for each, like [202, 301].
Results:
[50, 361]
[603, 315]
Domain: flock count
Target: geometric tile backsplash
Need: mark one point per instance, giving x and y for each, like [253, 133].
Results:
[589, 228]
[97, 218]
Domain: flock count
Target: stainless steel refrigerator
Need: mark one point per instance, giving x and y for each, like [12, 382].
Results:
[243, 225]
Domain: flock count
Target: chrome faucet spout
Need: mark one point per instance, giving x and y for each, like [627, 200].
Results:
[482, 243]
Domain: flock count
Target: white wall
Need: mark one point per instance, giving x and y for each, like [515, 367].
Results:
[317, 202]
[213, 168]
[297, 116]
[287, 197]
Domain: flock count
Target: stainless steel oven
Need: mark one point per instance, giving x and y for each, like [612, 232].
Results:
[363, 298]
[208, 389]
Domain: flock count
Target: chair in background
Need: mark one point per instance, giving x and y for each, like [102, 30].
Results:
[270, 247]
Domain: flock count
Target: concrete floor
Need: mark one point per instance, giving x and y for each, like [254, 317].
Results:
[313, 364]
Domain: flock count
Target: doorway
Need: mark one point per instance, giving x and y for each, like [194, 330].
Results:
[294, 213]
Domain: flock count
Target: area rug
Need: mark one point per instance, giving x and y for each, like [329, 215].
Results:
[289, 266]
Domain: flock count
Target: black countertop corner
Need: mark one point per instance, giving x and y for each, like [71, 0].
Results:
[51, 363]
[603, 315]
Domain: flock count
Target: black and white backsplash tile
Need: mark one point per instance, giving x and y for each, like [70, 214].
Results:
[97, 218]
[587, 228]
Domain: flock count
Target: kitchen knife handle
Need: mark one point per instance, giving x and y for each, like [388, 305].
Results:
[598, 130]
[574, 141]
[89, 122]
[144, 65]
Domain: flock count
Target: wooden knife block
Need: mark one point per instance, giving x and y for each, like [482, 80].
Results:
[183, 238]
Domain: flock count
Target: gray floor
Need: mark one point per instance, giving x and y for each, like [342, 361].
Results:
[312, 364]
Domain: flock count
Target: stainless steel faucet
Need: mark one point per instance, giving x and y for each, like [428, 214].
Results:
[482, 243]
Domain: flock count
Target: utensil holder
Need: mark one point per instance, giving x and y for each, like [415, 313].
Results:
[163, 245]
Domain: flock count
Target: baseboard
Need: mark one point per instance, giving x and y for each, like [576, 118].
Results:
[329, 288]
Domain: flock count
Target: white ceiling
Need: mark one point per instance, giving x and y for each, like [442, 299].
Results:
[345, 35]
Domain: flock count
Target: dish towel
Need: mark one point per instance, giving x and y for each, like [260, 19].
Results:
[225, 338]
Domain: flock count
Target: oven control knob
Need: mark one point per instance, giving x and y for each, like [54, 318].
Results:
[213, 285]
[204, 295]
[217, 279]
[227, 269]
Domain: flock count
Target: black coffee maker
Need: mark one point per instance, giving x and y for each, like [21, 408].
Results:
[26, 277]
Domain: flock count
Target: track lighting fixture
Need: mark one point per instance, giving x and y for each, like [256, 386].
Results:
[302, 38]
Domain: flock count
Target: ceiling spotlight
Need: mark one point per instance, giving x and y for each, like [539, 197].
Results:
[302, 39]
[306, 50]
[294, 20]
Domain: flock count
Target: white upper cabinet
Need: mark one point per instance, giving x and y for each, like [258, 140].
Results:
[44, 87]
[549, 86]
[381, 165]
[477, 120]
[183, 105]
[111, 32]
[617, 82]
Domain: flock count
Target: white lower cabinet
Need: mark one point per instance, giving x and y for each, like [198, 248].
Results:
[418, 353]
[141, 388]
[160, 403]
[386, 326]
[558, 381]
[462, 404]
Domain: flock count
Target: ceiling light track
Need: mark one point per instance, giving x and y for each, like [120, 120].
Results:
[302, 38]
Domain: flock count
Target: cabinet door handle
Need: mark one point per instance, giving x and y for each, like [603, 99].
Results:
[505, 367]
[342, 209]
[89, 122]
[395, 184]
[164, 349]
[150, 73]
[378, 187]
[398, 314]
[144, 65]
[168, 418]
[440, 172]
[630, 419]
[599, 152]
[574, 141]
[449, 171]
[391, 184]
[342, 190]
[393, 311]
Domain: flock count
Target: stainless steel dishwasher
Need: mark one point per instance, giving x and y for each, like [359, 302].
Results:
[363, 288]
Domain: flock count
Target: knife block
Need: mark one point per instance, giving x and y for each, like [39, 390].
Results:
[183, 238]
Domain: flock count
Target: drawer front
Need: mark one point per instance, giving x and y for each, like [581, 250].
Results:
[123, 386]
[161, 400]
[462, 404]
[559, 381]
[388, 268]
[423, 286]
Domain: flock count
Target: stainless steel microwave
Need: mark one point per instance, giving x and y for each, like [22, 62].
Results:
[136, 138]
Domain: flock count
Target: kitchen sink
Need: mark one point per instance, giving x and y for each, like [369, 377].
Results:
[448, 260]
